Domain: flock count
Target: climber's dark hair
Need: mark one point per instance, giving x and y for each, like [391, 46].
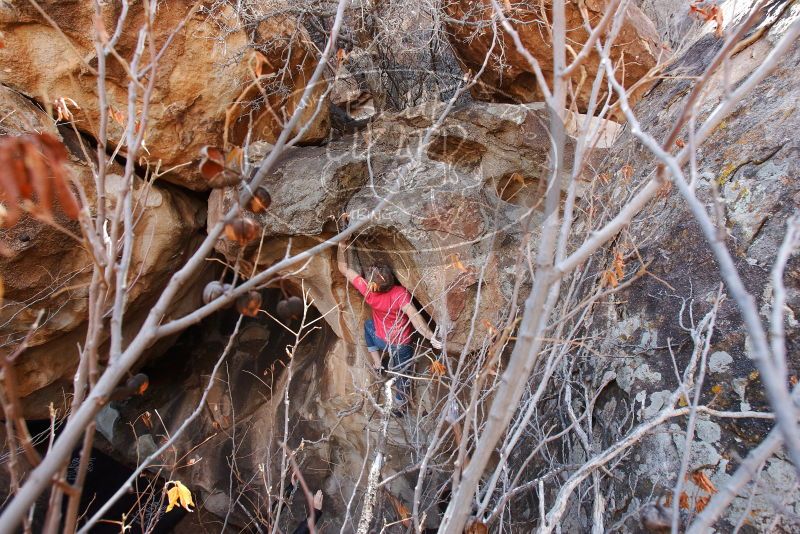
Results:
[381, 278]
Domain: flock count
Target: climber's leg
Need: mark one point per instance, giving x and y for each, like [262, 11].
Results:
[401, 356]
[374, 344]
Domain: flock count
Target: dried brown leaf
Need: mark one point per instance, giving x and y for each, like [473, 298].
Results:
[437, 368]
[402, 511]
[32, 168]
[627, 171]
[260, 201]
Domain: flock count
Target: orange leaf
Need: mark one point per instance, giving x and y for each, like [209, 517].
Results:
[437, 368]
[215, 169]
[249, 304]
[402, 511]
[701, 503]
[683, 501]
[57, 154]
[147, 420]
[32, 168]
[143, 384]
[62, 108]
[710, 13]
[609, 278]
[619, 265]
[178, 495]
[341, 55]
[260, 200]
[703, 482]
[477, 527]
[627, 171]
[212, 162]
[39, 178]
[517, 177]
[242, 230]
[456, 262]
[118, 116]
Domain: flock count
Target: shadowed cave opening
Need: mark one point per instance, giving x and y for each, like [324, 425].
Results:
[104, 476]
[132, 428]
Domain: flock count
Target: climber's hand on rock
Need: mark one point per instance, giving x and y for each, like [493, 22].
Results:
[318, 500]
[436, 344]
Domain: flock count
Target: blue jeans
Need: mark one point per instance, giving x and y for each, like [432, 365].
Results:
[399, 358]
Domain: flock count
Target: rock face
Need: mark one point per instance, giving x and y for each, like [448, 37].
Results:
[464, 196]
[509, 77]
[751, 160]
[454, 218]
[205, 73]
[459, 198]
[50, 271]
[452, 211]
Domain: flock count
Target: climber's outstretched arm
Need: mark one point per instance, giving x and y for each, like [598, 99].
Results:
[421, 326]
[349, 273]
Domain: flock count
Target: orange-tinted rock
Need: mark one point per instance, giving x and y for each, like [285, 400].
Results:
[50, 271]
[207, 66]
[508, 76]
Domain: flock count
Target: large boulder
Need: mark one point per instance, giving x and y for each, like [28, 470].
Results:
[204, 74]
[509, 77]
[453, 216]
[48, 270]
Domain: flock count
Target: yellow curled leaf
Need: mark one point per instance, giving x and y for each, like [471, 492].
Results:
[179, 495]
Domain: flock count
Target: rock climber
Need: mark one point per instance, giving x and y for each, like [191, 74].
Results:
[393, 315]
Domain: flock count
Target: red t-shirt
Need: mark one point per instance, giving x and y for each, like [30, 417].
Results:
[391, 323]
